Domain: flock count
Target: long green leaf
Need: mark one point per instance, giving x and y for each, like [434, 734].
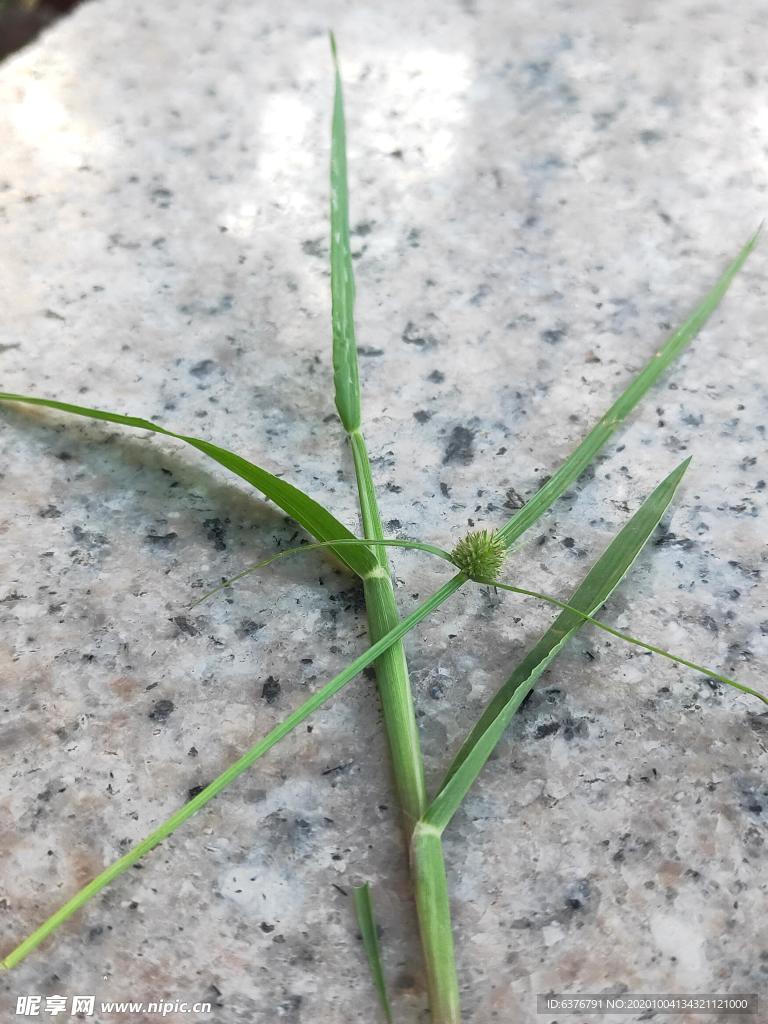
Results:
[581, 457]
[230, 774]
[596, 587]
[315, 519]
[381, 608]
[345, 371]
[361, 895]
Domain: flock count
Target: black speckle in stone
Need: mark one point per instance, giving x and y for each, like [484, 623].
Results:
[547, 729]
[270, 691]
[214, 995]
[314, 247]
[89, 539]
[203, 368]
[460, 447]
[693, 419]
[649, 136]
[437, 691]
[575, 727]
[266, 928]
[394, 524]
[161, 710]
[578, 895]
[248, 628]
[367, 350]
[758, 722]
[437, 377]
[362, 229]
[214, 529]
[754, 796]
[445, 490]
[160, 540]
[51, 512]
[671, 540]
[161, 197]
[413, 335]
[553, 335]
[538, 72]
[290, 1007]
[184, 625]
[352, 599]
[568, 542]
[422, 416]
[194, 791]
[513, 500]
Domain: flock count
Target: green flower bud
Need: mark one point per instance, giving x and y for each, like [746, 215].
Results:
[480, 555]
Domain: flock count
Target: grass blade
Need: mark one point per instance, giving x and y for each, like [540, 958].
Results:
[392, 668]
[345, 371]
[229, 775]
[710, 673]
[413, 545]
[596, 587]
[381, 607]
[315, 519]
[361, 895]
[581, 457]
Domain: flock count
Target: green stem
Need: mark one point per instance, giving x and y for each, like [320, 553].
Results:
[431, 891]
[391, 667]
[428, 869]
[233, 772]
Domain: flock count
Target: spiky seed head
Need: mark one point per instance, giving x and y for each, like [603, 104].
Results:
[480, 554]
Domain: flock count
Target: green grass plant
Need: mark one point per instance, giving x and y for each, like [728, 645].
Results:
[480, 558]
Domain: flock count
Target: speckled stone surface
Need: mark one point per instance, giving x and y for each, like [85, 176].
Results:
[537, 197]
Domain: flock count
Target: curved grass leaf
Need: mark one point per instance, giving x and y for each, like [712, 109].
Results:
[708, 672]
[315, 519]
[581, 457]
[537, 594]
[413, 545]
[361, 895]
[596, 587]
